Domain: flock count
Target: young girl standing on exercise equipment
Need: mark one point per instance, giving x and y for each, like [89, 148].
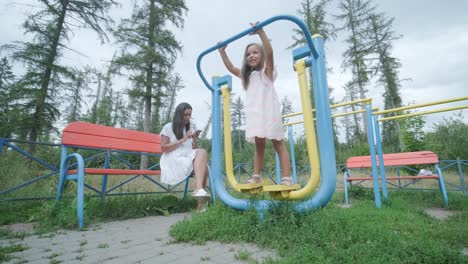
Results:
[262, 106]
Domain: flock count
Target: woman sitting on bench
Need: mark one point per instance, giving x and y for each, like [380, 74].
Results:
[181, 155]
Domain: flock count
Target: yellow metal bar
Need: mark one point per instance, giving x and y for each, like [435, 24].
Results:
[293, 123]
[292, 114]
[365, 100]
[421, 105]
[350, 113]
[227, 138]
[311, 137]
[335, 115]
[423, 113]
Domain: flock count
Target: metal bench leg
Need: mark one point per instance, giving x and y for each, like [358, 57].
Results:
[80, 199]
[345, 175]
[62, 174]
[442, 184]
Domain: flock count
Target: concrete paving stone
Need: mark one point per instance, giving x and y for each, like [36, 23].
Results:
[144, 240]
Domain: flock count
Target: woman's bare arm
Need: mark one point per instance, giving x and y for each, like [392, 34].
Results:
[167, 146]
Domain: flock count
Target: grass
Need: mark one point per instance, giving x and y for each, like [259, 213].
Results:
[7, 250]
[400, 232]
[50, 216]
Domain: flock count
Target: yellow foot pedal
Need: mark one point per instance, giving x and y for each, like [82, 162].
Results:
[280, 191]
[252, 188]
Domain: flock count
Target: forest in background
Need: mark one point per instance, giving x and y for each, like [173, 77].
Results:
[48, 92]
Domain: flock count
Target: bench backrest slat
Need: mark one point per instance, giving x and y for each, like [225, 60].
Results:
[395, 159]
[96, 136]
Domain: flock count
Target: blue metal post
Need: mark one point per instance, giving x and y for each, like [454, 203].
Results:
[442, 184]
[460, 173]
[370, 138]
[2, 141]
[104, 177]
[63, 172]
[378, 140]
[278, 168]
[293, 155]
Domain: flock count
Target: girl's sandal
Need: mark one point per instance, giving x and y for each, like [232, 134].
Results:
[288, 181]
[254, 179]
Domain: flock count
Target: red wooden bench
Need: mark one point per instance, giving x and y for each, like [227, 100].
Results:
[396, 160]
[110, 140]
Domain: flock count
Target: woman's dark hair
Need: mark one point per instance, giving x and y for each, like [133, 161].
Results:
[246, 70]
[178, 120]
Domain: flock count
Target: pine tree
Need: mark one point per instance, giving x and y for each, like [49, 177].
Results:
[51, 27]
[75, 96]
[148, 51]
[387, 68]
[355, 14]
[7, 99]
[238, 120]
[314, 17]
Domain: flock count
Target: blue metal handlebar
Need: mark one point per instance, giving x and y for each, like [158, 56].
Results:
[250, 30]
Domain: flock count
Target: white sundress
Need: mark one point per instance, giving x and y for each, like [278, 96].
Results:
[176, 165]
[262, 108]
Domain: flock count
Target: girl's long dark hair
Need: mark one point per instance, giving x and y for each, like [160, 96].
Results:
[246, 70]
[178, 120]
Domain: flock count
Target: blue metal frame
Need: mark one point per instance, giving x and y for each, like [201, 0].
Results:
[54, 169]
[79, 177]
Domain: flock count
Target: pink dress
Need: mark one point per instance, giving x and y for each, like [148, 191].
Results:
[262, 108]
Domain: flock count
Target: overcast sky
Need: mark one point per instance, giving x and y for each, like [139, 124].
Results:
[432, 50]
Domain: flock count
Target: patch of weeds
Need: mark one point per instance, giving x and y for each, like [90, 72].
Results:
[103, 245]
[83, 242]
[54, 255]
[125, 241]
[78, 250]
[9, 234]
[205, 258]
[55, 261]
[243, 255]
[171, 241]
[161, 253]
[50, 235]
[80, 257]
[21, 261]
[47, 250]
[360, 193]
[6, 251]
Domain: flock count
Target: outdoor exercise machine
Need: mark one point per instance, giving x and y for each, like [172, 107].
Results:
[325, 151]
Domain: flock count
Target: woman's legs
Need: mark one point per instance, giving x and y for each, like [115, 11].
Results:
[283, 155]
[259, 155]
[200, 168]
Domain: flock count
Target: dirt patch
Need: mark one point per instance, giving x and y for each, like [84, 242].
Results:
[439, 213]
[27, 228]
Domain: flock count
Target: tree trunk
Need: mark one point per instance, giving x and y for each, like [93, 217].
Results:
[38, 116]
[149, 80]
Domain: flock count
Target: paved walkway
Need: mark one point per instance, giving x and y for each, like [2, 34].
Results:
[144, 240]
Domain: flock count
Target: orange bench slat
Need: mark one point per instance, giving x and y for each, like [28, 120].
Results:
[395, 159]
[96, 136]
[112, 132]
[394, 178]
